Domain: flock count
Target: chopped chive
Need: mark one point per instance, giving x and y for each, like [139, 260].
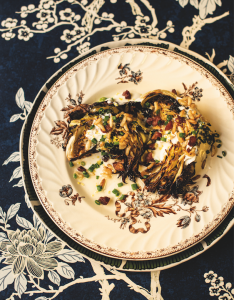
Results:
[157, 161]
[116, 192]
[97, 202]
[163, 139]
[121, 133]
[134, 186]
[194, 132]
[86, 174]
[182, 135]
[97, 177]
[157, 111]
[102, 99]
[169, 117]
[91, 168]
[122, 197]
[99, 188]
[83, 163]
[166, 122]
[145, 176]
[219, 145]
[106, 118]
[102, 138]
[101, 111]
[114, 118]
[71, 164]
[116, 143]
[97, 166]
[224, 153]
[120, 184]
[104, 123]
[147, 104]
[75, 175]
[219, 156]
[169, 132]
[94, 141]
[91, 127]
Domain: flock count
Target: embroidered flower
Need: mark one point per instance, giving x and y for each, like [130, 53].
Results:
[24, 13]
[183, 222]
[141, 21]
[65, 191]
[214, 291]
[67, 14]
[225, 296]
[68, 36]
[9, 23]
[45, 15]
[8, 35]
[143, 29]
[27, 250]
[24, 34]
[40, 25]
[84, 2]
[46, 4]
[209, 276]
[83, 48]
[78, 32]
[217, 282]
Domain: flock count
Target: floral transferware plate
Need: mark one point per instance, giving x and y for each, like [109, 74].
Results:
[170, 227]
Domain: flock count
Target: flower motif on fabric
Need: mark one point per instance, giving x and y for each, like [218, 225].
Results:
[66, 192]
[45, 15]
[67, 14]
[9, 23]
[24, 34]
[218, 287]
[127, 75]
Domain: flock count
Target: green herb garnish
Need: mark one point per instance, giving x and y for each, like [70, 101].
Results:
[75, 175]
[91, 127]
[182, 135]
[86, 174]
[97, 177]
[94, 141]
[83, 163]
[120, 184]
[224, 153]
[122, 197]
[134, 186]
[97, 202]
[71, 164]
[163, 139]
[99, 188]
[116, 192]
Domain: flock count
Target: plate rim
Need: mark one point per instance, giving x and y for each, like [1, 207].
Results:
[197, 240]
[98, 48]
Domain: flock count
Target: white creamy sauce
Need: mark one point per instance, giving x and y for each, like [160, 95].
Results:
[161, 150]
[94, 133]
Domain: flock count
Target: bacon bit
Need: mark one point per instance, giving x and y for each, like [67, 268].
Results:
[126, 94]
[156, 120]
[180, 120]
[192, 141]
[108, 128]
[169, 126]
[149, 121]
[156, 135]
[151, 146]
[208, 180]
[149, 157]
[81, 169]
[104, 200]
[118, 166]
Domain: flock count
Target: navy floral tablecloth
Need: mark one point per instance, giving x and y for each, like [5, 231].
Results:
[38, 37]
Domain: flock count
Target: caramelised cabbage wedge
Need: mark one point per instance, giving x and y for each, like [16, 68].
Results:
[158, 138]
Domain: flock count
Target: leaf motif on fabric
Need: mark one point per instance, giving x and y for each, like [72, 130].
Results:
[66, 271]
[19, 184]
[20, 284]
[194, 3]
[70, 256]
[206, 7]
[54, 277]
[3, 237]
[12, 211]
[15, 117]
[23, 222]
[6, 277]
[28, 105]
[16, 173]
[15, 156]
[230, 64]
[19, 98]
[183, 3]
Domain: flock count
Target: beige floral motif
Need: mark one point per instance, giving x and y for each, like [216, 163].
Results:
[27, 249]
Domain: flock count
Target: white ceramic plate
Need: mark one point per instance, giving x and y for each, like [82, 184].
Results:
[87, 223]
